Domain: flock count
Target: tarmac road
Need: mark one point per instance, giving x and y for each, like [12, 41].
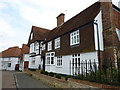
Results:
[25, 81]
[18, 80]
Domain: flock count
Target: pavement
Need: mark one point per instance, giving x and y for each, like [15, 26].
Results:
[8, 80]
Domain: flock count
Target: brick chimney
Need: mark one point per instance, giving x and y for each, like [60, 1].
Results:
[60, 19]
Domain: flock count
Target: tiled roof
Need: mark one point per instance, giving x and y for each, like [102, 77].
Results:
[11, 52]
[80, 19]
[38, 34]
[24, 50]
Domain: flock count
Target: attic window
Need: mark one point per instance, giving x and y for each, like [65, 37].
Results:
[31, 37]
[118, 33]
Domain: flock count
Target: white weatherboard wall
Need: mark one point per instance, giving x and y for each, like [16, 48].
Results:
[12, 60]
[37, 62]
[98, 20]
[89, 56]
[66, 67]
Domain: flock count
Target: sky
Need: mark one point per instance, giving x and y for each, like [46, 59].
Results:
[18, 16]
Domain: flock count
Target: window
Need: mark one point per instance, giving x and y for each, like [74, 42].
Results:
[31, 37]
[76, 60]
[50, 58]
[32, 48]
[118, 33]
[59, 61]
[43, 47]
[37, 47]
[9, 64]
[57, 43]
[33, 61]
[74, 38]
[49, 45]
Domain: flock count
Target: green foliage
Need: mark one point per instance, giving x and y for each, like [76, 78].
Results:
[44, 72]
[58, 76]
[51, 74]
[68, 76]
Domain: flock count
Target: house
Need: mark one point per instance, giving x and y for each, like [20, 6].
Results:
[10, 58]
[36, 38]
[93, 35]
[24, 58]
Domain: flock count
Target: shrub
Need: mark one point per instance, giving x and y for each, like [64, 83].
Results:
[51, 74]
[68, 76]
[44, 72]
[58, 76]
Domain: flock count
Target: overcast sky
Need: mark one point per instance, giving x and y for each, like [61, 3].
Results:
[18, 16]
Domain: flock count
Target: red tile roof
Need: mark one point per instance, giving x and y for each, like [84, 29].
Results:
[11, 52]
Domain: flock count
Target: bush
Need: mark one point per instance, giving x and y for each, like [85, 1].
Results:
[51, 74]
[68, 76]
[58, 76]
[44, 72]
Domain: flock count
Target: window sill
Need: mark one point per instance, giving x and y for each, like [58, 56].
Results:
[76, 45]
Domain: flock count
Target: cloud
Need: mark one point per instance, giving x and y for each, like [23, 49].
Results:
[17, 17]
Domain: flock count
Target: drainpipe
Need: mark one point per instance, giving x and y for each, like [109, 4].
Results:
[99, 60]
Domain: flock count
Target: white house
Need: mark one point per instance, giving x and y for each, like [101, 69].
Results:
[10, 58]
[37, 36]
[85, 37]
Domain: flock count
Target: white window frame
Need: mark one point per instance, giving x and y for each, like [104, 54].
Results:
[49, 45]
[32, 48]
[31, 36]
[59, 61]
[49, 57]
[43, 47]
[74, 38]
[57, 43]
[33, 60]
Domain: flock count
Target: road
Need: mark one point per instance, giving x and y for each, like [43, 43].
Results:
[20, 80]
[26, 81]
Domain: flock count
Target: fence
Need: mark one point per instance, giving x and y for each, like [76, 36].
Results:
[89, 70]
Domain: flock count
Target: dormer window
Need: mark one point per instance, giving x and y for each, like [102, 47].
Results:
[31, 37]
[74, 38]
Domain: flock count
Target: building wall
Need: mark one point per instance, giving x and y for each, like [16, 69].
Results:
[66, 67]
[11, 60]
[110, 22]
[37, 62]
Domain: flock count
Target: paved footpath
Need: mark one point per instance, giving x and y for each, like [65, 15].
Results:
[8, 80]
